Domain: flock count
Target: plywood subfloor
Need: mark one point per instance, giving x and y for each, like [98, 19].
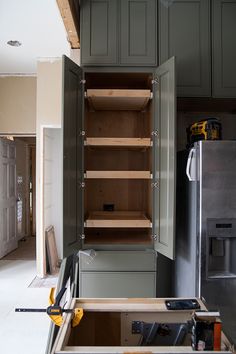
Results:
[50, 281]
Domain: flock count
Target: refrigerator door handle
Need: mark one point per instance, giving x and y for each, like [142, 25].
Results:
[189, 165]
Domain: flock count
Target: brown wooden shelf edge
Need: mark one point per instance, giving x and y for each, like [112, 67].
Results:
[123, 142]
[111, 99]
[118, 174]
[112, 219]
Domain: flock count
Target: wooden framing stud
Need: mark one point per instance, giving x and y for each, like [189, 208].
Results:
[70, 16]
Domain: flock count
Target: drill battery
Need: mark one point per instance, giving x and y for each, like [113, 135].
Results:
[206, 129]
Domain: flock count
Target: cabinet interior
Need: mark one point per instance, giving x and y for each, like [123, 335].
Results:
[118, 158]
[101, 329]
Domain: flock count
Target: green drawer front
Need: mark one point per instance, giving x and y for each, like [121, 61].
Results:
[118, 284]
[119, 261]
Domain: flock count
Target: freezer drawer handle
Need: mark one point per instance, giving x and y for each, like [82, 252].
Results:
[189, 162]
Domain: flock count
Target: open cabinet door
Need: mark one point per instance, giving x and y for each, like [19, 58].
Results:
[164, 151]
[73, 157]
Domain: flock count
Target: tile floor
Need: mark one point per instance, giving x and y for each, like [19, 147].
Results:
[21, 333]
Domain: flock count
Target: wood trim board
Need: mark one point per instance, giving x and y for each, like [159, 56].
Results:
[71, 21]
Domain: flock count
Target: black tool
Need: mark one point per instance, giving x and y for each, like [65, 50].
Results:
[184, 304]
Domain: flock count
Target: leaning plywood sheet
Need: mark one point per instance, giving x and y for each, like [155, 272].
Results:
[51, 250]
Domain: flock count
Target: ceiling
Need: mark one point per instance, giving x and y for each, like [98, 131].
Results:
[38, 25]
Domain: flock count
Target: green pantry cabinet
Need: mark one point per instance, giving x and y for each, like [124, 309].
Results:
[119, 32]
[224, 48]
[201, 34]
[119, 175]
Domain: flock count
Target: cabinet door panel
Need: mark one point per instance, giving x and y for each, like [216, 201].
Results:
[164, 148]
[72, 161]
[224, 48]
[138, 40]
[117, 284]
[99, 32]
[184, 32]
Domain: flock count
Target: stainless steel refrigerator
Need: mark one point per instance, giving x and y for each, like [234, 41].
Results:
[205, 264]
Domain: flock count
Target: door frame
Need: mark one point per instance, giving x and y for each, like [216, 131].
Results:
[40, 197]
[20, 135]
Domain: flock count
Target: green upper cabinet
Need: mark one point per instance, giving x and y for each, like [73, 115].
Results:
[99, 21]
[224, 48]
[119, 32]
[184, 32]
[138, 33]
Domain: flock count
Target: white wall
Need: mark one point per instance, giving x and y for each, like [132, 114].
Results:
[17, 105]
[49, 115]
[53, 184]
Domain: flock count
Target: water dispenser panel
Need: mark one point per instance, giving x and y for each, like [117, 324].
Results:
[221, 248]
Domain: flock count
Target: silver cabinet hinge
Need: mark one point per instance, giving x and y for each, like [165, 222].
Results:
[155, 81]
[155, 133]
[82, 184]
[82, 132]
[82, 237]
[155, 237]
[154, 185]
[83, 82]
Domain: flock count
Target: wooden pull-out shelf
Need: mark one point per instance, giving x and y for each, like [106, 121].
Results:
[113, 100]
[119, 174]
[134, 219]
[126, 142]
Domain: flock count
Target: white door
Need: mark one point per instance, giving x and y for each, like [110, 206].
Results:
[8, 239]
[22, 212]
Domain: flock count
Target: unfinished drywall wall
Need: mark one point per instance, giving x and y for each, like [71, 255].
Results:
[49, 92]
[49, 115]
[53, 184]
[18, 105]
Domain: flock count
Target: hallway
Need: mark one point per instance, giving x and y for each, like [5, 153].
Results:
[26, 250]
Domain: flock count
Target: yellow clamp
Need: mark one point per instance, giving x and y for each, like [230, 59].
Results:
[57, 319]
[78, 314]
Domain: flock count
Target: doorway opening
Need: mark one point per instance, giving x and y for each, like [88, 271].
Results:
[18, 165]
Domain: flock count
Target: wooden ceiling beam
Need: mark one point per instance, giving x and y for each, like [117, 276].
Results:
[69, 10]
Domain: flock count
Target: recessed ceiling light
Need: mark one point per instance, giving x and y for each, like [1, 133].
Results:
[14, 43]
